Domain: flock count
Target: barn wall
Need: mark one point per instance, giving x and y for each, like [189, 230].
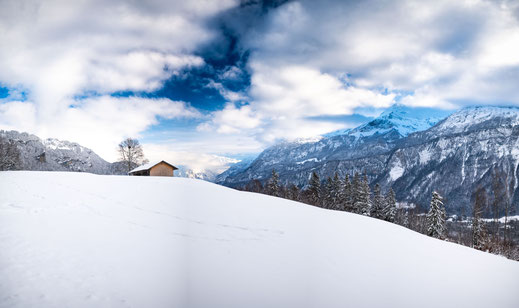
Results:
[161, 170]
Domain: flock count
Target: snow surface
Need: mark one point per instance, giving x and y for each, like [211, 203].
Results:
[83, 240]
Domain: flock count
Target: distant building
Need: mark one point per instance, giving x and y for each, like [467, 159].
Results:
[161, 168]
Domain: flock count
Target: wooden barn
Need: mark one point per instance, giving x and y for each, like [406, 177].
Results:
[161, 168]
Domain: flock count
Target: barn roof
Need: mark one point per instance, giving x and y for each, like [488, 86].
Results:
[151, 165]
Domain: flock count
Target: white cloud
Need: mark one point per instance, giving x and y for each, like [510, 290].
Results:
[195, 160]
[283, 98]
[56, 51]
[227, 94]
[98, 123]
[457, 51]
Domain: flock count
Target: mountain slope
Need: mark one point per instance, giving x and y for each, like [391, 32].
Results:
[125, 242]
[454, 157]
[56, 155]
[402, 119]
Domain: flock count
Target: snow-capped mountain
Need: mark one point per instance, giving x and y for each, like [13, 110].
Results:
[402, 119]
[57, 155]
[235, 169]
[453, 157]
[186, 172]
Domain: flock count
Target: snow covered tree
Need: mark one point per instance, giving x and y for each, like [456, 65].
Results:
[361, 195]
[378, 203]
[293, 192]
[356, 193]
[333, 193]
[347, 195]
[365, 206]
[478, 232]
[405, 221]
[313, 193]
[436, 217]
[273, 188]
[9, 155]
[130, 152]
[389, 211]
[328, 194]
[336, 192]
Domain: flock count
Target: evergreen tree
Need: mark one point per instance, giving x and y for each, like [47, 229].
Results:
[436, 217]
[293, 192]
[378, 203]
[365, 197]
[333, 193]
[389, 211]
[328, 194]
[336, 192]
[356, 194]
[347, 195]
[313, 193]
[405, 223]
[273, 187]
[478, 232]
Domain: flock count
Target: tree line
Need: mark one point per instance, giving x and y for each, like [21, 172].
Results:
[354, 194]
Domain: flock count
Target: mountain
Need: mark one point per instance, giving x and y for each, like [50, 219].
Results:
[186, 172]
[293, 158]
[84, 240]
[50, 154]
[402, 119]
[234, 169]
[23, 151]
[455, 156]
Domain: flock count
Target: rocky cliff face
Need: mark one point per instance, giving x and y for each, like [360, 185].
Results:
[454, 156]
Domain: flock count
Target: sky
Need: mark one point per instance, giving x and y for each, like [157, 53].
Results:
[205, 83]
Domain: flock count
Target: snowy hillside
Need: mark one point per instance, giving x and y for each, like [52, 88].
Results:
[83, 240]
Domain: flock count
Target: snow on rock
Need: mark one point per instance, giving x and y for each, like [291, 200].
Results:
[84, 240]
[397, 170]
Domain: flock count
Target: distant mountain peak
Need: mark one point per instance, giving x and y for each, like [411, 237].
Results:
[402, 119]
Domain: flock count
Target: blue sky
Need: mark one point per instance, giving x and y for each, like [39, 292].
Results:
[203, 83]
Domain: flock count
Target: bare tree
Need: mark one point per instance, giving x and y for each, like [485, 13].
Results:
[130, 152]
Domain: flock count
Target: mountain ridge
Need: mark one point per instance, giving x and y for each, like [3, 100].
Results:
[453, 156]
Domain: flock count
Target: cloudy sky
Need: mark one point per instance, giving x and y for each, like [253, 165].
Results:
[205, 82]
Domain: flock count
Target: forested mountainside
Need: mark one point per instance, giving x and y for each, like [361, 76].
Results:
[455, 156]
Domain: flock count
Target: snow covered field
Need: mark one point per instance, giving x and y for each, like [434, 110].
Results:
[82, 240]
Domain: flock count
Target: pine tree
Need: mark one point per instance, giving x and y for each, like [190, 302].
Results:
[389, 211]
[365, 197]
[328, 194]
[273, 188]
[293, 192]
[356, 193]
[314, 190]
[347, 195]
[336, 192]
[436, 217]
[478, 232]
[378, 203]
[405, 223]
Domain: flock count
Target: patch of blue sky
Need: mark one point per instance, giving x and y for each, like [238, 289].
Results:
[4, 92]
[174, 129]
[351, 119]
[12, 94]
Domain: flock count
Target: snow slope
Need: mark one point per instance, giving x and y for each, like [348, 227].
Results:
[83, 240]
